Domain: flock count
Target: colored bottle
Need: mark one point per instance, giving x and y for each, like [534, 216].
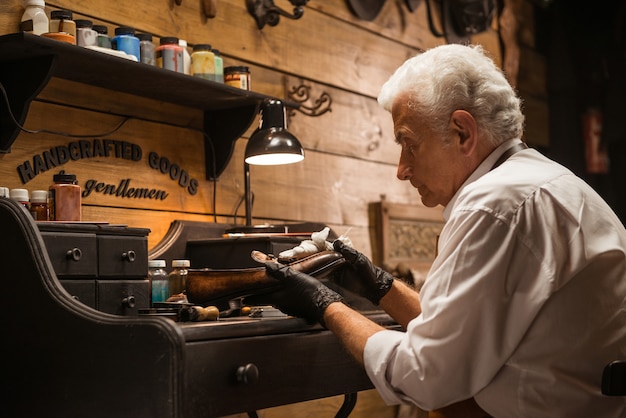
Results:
[34, 19]
[39, 205]
[146, 48]
[159, 281]
[103, 38]
[64, 198]
[61, 22]
[186, 57]
[178, 278]
[125, 40]
[238, 76]
[21, 196]
[169, 55]
[85, 35]
[219, 66]
[203, 62]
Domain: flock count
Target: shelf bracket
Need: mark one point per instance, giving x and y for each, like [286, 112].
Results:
[22, 80]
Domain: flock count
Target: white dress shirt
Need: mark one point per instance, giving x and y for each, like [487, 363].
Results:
[524, 305]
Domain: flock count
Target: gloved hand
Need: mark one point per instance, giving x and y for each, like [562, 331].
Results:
[361, 276]
[300, 294]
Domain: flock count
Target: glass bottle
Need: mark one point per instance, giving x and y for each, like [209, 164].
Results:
[64, 198]
[103, 39]
[146, 48]
[39, 205]
[203, 62]
[125, 40]
[61, 21]
[159, 281]
[21, 196]
[219, 66]
[178, 278]
[169, 54]
[34, 19]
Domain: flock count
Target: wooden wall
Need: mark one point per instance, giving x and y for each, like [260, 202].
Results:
[350, 157]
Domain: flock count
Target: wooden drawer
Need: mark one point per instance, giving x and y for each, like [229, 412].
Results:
[122, 256]
[122, 297]
[72, 254]
[82, 290]
[218, 382]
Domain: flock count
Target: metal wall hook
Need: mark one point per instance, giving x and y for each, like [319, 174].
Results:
[266, 12]
[302, 94]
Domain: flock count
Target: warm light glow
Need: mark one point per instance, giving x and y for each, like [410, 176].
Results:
[274, 159]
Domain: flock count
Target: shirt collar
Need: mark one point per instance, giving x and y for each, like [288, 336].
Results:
[480, 171]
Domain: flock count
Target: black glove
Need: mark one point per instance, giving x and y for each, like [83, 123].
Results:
[300, 294]
[361, 276]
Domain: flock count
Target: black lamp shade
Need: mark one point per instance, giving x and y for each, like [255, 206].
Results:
[272, 143]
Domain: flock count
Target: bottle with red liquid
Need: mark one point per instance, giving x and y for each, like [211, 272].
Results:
[64, 198]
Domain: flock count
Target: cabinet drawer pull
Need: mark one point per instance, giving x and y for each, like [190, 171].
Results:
[247, 374]
[74, 254]
[129, 256]
[129, 301]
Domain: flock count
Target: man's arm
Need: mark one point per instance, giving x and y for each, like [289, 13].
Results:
[353, 329]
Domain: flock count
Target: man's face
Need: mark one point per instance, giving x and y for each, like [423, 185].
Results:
[434, 166]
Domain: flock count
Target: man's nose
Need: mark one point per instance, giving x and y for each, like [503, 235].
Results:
[405, 172]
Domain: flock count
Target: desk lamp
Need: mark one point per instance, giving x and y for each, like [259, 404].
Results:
[270, 144]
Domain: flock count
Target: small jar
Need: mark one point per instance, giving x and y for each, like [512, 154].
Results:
[64, 198]
[186, 57]
[178, 279]
[39, 205]
[61, 22]
[146, 48]
[103, 39]
[219, 66]
[21, 196]
[238, 76]
[169, 55]
[159, 281]
[203, 62]
[85, 35]
[4, 192]
[126, 41]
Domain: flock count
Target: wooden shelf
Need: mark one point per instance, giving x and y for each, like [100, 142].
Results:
[27, 62]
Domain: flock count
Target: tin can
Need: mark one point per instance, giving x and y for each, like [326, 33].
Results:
[238, 76]
[169, 55]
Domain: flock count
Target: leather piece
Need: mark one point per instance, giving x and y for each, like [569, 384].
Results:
[218, 286]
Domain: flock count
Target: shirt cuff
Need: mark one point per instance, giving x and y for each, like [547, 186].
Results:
[379, 350]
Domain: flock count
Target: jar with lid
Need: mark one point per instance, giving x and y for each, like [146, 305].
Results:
[158, 280]
[178, 279]
[203, 62]
[39, 205]
[34, 20]
[186, 56]
[169, 55]
[146, 48]
[126, 41]
[21, 196]
[238, 76]
[64, 198]
[85, 35]
[4, 192]
[219, 66]
[103, 39]
[61, 22]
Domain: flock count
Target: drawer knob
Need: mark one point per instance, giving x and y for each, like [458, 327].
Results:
[129, 301]
[247, 374]
[74, 254]
[129, 256]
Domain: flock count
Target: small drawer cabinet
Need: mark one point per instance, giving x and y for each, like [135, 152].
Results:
[103, 266]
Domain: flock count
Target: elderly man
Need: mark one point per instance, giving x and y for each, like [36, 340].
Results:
[525, 302]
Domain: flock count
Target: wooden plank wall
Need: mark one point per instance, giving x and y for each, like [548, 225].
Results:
[350, 151]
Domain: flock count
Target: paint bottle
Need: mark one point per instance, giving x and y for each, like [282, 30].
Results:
[34, 20]
[39, 205]
[178, 278]
[203, 62]
[219, 66]
[125, 40]
[146, 48]
[21, 196]
[85, 35]
[158, 280]
[169, 55]
[103, 39]
[64, 198]
[61, 22]
[238, 76]
[4, 192]
[186, 57]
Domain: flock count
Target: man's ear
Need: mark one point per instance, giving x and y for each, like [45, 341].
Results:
[465, 128]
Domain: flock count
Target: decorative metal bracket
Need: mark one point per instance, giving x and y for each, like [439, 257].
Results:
[302, 94]
[266, 12]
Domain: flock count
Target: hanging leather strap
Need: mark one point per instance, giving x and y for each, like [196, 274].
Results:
[515, 148]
